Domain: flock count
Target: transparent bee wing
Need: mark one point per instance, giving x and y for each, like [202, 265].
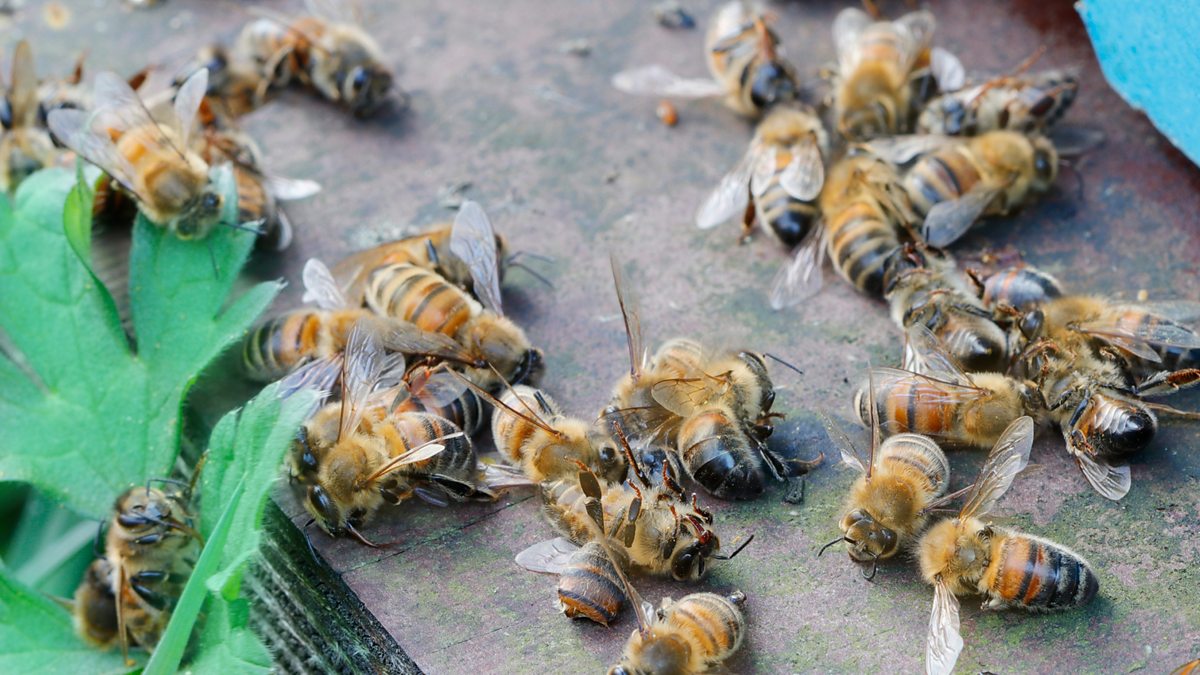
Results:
[918, 27]
[187, 102]
[929, 357]
[765, 162]
[655, 80]
[1165, 334]
[730, 196]
[548, 557]
[945, 641]
[320, 376]
[436, 388]
[851, 455]
[800, 279]
[684, 396]
[421, 453]
[631, 313]
[407, 338]
[1007, 458]
[502, 477]
[1074, 140]
[1112, 482]
[290, 189]
[73, 128]
[949, 220]
[804, 176]
[22, 94]
[473, 241]
[1186, 311]
[901, 150]
[320, 287]
[939, 392]
[947, 70]
[391, 372]
[119, 109]
[847, 28]
[361, 370]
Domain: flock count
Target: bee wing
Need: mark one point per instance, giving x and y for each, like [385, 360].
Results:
[289, 189]
[947, 70]
[74, 129]
[945, 641]
[683, 395]
[800, 279]
[847, 28]
[1185, 311]
[925, 354]
[730, 196]
[918, 28]
[804, 176]
[548, 557]
[851, 455]
[1074, 140]
[407, 338]
[361, 369]
[422, 452]
[655, 80]
[320, 287]
[436, 389]
[473, 241]
[320, 376]
[118, 108]
[340, 11]
[1007, 458]
[1112, 482]
[949, 220]
[765, 161]
[22, 94]
[901, 150]
[502, 477]
[1163, 333]
[187, 102]
[631, 314]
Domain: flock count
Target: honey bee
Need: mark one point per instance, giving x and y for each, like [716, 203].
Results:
[782, 174]
[866, 219]
[935, 398]
[25, 146]
[175, 188]
[695, 634]
[924, 287]
[1029, 104]
[327, 50]
[367, 456]
[966, 556]
[235, 88]
[96, 606]
[955, 181]
[1020, 287]
[589, 586]
[881, 70]
[744, 58]
[531, 432]
[447, 249]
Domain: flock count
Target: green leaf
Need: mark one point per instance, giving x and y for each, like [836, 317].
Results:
[244, 455]
[36, 636]
[86, 413]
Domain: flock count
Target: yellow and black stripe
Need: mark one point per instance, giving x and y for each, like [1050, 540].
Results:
[419, 296]
[1033, 573]
[590, 587]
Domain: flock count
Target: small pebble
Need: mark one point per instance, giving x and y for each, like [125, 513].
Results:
[56, 15]
[577, 47]
[667, 113]
[670, 15]
[1143, 295]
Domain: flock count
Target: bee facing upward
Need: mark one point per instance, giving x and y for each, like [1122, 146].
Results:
[326, 50]
[876, 91]
[967, 556]
[748, 70]
[781, 175]
[175, 188]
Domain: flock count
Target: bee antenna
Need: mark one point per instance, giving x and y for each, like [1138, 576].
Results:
[874, 568]
[835, 541]
[528, 254]
[532, 272]
[359, 536]
[254, 226]
[96, 542]
[308, 539]
[212, 256]
[785, 363]
[736, 551]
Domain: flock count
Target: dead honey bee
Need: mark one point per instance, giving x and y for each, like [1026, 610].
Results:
[327, 50]
[781, 175]
[932, 396]
[748, 69]
[235, 88]
[865, 221]
[95, 609]
[1025, 103]
[695, 634]
[175, 188]
[367, 456]
[589, 585]
[25, 145]
[966, 556]
[1020, 287]
[880, 74]
[924, 287]
[955, 181]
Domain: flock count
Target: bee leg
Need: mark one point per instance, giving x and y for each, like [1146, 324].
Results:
[1168, 382]
[748, 218]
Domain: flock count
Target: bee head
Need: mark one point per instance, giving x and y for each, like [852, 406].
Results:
[366, 87]
[610, 464]
[141, 509]
[200, 215]
[323, 509]
[6, 118]
[773, 83]
[689, 561]
[869, 540]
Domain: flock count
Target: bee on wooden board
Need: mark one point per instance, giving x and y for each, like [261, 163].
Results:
[883, 66]
[1028, 103]
[967, 556]
[777, 181]
[749, 72]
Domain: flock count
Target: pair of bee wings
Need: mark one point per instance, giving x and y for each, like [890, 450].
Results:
[658, 80]
[801, 277]
[914, 32]
[1009, 456]
[948, 220]
[1140, 340]
[22, 91]
[118, 109]
[802, 178]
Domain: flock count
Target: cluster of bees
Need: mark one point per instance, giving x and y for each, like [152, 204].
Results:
[410, 350]
[989, 353]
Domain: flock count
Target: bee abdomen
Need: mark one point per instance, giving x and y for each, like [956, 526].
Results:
[913, 405]
[718, 455]
[713, 624]
[1037, 574]
[1020, 287]
[511, 433]
[939, 177]
[420, 296]
[1114, 427]
[921, 453]
[860, 246]
[589, 587]
[790, 219]
[278, 345]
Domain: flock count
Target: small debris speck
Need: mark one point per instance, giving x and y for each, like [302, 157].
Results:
[577, 47]
[451, 195]
[670, 15]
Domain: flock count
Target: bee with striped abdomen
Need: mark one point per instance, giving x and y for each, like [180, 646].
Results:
[781, 175]
[748, 70]
[589, 586]
[967, 556]
[955, 181]
[695, 634]
[882, 68]
[1021, 287]
[865, 220]
[1024, 102]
